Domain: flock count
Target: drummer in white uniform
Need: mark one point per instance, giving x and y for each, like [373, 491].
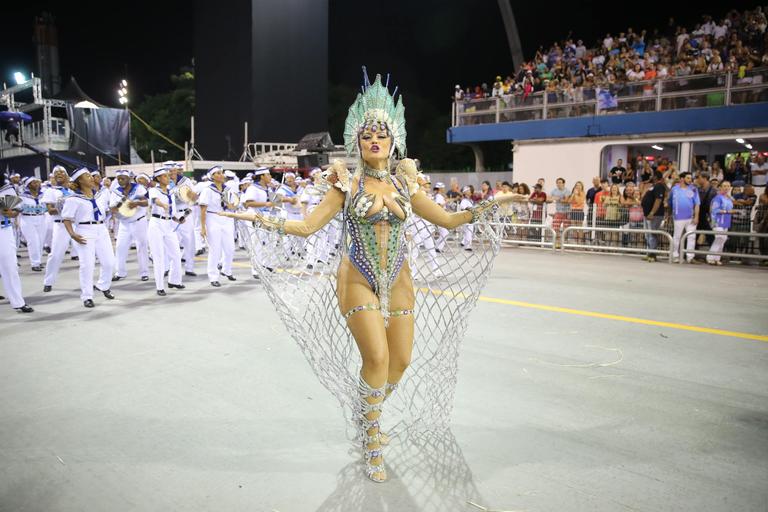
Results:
[256, 200]
[163, 242]
[60, 240]
[9, 270]
[125, 197]
[442, 233]
[83, 217]
[32, 221]
[218, 231]
[184, 188]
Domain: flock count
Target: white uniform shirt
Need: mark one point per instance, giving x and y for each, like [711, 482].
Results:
[184, 181]
[465, 204]
[31, 205]
[211, 197]
[52, 195]
[257, 193]
[80, 209]
[135, 192]
[311, 196]
[168, 198]
[286, 192]
[440, 199]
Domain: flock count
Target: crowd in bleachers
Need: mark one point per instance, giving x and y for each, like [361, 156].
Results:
[734, 43]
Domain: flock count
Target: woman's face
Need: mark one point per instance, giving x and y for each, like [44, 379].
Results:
[375, 145]
[85, 181]
[163, 179]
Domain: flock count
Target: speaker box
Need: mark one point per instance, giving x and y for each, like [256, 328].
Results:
[312, 160]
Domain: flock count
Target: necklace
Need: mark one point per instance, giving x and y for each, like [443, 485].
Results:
[373, 173]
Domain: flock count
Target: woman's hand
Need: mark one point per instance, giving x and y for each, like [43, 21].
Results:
[225, 214]
[203, 233]
[79, 238]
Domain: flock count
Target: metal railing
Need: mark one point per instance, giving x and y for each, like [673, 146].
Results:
[566, 245]
[673, 93]
[535, 235]
[727, 254]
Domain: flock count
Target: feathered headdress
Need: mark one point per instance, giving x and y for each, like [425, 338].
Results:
[375, 106]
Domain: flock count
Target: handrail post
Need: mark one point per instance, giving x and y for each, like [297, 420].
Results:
[728, 85]
[498, 109]
[544, 113]
[658, 94]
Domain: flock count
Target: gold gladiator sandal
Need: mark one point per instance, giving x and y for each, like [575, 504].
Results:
[369, 430]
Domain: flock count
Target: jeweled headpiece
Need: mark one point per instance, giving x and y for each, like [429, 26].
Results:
[375, 107]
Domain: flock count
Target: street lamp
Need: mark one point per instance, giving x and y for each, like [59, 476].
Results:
[19, 77]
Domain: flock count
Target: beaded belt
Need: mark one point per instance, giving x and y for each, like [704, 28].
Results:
[375, 307]
[160, 217]
[92, 222]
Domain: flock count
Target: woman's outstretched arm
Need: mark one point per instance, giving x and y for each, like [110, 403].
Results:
[331, 204]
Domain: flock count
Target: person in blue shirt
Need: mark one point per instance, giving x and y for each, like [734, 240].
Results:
[721, 211]
[684, 206]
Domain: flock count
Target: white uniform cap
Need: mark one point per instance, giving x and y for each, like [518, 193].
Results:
[79, 172]
[57, 168]
[213, 170]
[143, 175]
[314, 171]
[439, 184]
[95, 173]
[160, 171]
[290, 175]
[246, 181]
[29, 179]
[260, 171]
[466, 189]
[123, 172]
[15, 175]
[230, 174]
[168, 163]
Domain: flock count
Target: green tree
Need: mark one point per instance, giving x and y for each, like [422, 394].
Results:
[169, 113]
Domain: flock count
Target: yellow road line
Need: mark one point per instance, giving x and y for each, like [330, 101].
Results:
[608, 316]
[629, 319]
[593, 314]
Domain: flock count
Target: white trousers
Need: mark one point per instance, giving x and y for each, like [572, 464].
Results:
[717, 244]
[186, 235]
[33, 227]
[48, 230]
[164, 244]
[98, 245]
[683, 226]
[442, 236]
[126, 233]
[423, 236]
[9, 270]
[468, 232]
[60, 241]
[220, 233]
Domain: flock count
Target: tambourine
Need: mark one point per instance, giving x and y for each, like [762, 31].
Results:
[126, 212]
[184, 193]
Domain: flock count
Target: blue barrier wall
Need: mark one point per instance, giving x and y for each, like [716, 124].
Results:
[734, 117]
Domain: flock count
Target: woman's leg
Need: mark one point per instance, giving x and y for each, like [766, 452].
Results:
[367, 328]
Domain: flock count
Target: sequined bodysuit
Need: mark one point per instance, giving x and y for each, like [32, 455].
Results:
[365, 251]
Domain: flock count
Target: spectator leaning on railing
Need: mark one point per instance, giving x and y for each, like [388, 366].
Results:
[706, 194]
[653, 203]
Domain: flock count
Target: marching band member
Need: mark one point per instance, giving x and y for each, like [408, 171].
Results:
[162, 239]
[318, 246]
[289, 199]
[218, 231]
[9, 269]
[468, 229]
[60, 239]
[423, 231]
[83, 217]
[200, 243]
[32, 221]
[130, 228]
[442, 233]
[186, 230]
[256, 200]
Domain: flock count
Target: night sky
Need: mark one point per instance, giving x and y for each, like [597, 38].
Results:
[427, 45]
